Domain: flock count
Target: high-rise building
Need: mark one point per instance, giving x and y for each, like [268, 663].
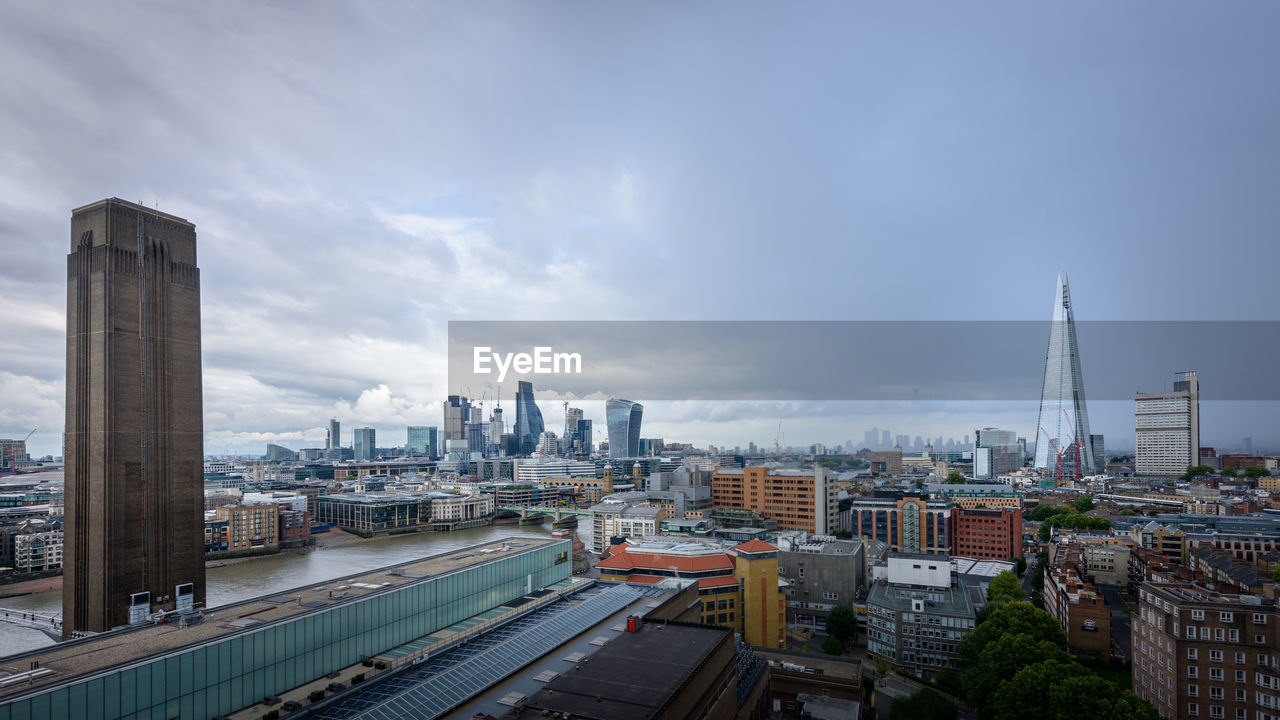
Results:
[135, 427]
[884, 440]
[623, 418]
[363, 444]
[335, 434]
[497, 428]
[1063, 444]
[280, 453]
[423, 441]
[995, 452]
[529, 425]
[457, 413]
[571, 417]
[584, 439]
[1166, 428]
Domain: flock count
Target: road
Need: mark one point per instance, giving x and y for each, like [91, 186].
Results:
[896, 686]
[1121, 635]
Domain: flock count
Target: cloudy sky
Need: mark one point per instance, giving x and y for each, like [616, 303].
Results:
[362, 173]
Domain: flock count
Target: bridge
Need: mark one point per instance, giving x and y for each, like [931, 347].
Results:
[48, 623]
[557, 513]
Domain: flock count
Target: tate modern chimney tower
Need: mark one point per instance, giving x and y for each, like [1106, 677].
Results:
[135, 427]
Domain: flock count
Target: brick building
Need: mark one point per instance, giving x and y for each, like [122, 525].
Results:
[797, 499]
[994, 533]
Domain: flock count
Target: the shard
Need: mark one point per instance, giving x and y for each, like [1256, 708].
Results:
[1063, 443]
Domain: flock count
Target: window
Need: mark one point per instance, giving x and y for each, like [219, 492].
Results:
[1259, 619]
[1215, 693]
[1219, 634]
[1191, 632]
[1240, 676]
[1193, 654]
[1193, 709]
[1226, 617]
[1215, 711]
[1215, 656]
[1239, 658]
[1197, 614]
[1260, 639]
[1215, 674]
[1193, 671]
[1193, 691]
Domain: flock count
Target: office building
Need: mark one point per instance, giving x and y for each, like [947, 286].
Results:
[886, 463]
[333, 437]
[796, 499]
[134, 419]
[919, 614]
[13, 453]
[457, 413]
[623, 419]
[624, 516]
[424, 441]
[907, 523]
[1063, 445]
[1166, 428]
[992, 533]
[364, 445]
[1198, 653]
[529, 425]
[996, 452]
[279, 453]
[572, 416]
[584, 441]
[821, 572]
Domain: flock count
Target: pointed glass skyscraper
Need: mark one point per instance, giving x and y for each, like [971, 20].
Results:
[1063, 443]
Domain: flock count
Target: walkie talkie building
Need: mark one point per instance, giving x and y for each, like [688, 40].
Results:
[1063, 443]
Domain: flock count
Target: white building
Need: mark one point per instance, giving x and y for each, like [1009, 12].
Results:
[286, 500]
[624, 516]
[1166, 428]
[447, 507]
[532, 471]
[38, 550]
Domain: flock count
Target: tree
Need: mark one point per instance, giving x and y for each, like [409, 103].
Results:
[1275, 574]
[1001, 660]
[1083, 504]
[955, 478]
[1256, 471]
[1196, 471]
[1013, 618]
[832, 646]
[1228, 472]
[842, 622]
[881, 665]
[927, 704]
[1043, 512]
[1026, 694]
[1005, 585]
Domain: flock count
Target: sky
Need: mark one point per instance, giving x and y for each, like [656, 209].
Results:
[360, 174]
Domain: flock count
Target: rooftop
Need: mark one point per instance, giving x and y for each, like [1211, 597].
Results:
[95, 654]
[633, 676]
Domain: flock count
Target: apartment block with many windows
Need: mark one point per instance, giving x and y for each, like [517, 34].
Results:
[1198, 653]
[796, 499]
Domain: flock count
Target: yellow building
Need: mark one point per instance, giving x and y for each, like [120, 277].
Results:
[737, 588]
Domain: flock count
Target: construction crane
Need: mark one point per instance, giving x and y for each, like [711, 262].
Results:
[777, 441]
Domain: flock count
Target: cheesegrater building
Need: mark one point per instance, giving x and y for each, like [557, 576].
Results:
[134, 427]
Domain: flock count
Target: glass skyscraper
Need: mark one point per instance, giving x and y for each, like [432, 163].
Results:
[529, 426]
[1063, 443]
[623, 418]
[363, 444]
[423, 440]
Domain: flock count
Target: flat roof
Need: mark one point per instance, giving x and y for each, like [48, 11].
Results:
[133, 206]
[632, 676]
[73, 659]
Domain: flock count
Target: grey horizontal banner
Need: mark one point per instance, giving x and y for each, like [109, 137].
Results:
[856, 360]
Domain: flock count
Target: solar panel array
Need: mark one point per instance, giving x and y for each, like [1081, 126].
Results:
[446, 681]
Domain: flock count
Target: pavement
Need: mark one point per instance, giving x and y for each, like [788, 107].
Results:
[895, 686]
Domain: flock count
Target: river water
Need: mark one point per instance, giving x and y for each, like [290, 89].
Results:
[277, 573]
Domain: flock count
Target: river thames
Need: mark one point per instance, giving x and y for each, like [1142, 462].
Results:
[276, 573]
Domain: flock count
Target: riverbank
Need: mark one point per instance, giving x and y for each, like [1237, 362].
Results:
[27, 587]
[330, 539]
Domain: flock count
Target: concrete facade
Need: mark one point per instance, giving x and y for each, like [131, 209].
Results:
[134, 418]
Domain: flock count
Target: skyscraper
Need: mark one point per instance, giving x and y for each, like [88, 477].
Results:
[585, 440]
[335, 434]
[623, 418]
[135, 426]
[363, 444]
[1166, 428]
[457, 413]
[1063, 444]
[529, 426]
[571, 417]
[422, 440]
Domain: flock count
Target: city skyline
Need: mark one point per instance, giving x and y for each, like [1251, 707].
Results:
[526, 205]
